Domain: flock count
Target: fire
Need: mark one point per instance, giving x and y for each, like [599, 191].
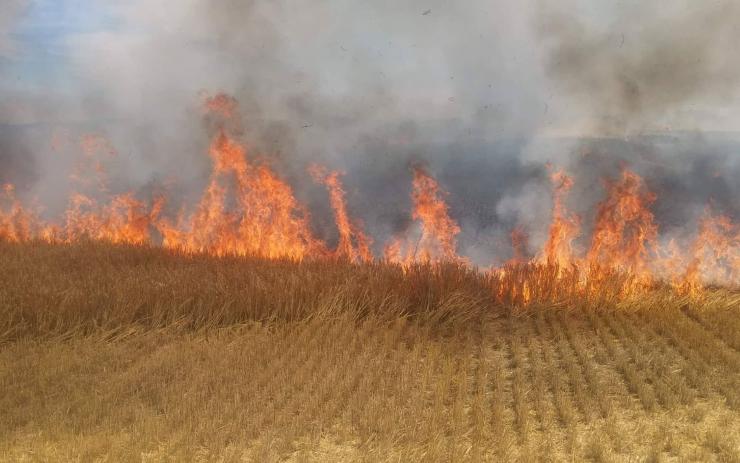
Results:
[16, 224]
[268, 221]
[246, 208]
[564, 228]
[353, 244]
[437, 241]
[625, 233]
[124, 220]
[714, 254]
[624, 258]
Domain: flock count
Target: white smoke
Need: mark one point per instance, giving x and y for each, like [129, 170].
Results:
[10, 11]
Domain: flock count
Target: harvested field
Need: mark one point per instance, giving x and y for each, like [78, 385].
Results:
[119, 353]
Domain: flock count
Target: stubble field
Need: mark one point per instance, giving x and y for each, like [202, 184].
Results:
[117, 353]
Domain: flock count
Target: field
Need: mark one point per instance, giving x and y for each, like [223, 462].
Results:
[118, 353]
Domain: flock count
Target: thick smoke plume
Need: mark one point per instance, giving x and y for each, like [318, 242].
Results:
[644, 64]
[484, 94]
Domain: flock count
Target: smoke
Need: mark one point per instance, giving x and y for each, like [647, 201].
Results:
[367, 89]
[10, 11]
[480, 91]
[642, 66]
[17, 163]
[15, 160]
[314, 80]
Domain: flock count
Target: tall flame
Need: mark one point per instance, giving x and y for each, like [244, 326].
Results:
[353, 244]
[625, 232]
[16, 223]
[564, 228]
[268, 221]
[714, 254]
[437, 241]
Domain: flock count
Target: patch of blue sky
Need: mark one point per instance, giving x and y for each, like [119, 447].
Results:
[41, 62]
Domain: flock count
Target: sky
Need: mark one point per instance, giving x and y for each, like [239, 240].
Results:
[36, 56]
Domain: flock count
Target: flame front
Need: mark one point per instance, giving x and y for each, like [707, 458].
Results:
[246, 208]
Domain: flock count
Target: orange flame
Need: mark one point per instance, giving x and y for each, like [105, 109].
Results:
[353, 244]
[246, 208]
[268, 221]
[714, 255]
[437, 241]
[16, 224]
[625, 233]
[564, 228]
[624, 257]
[124, 220]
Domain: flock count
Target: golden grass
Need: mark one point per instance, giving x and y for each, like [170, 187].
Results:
[114, 353]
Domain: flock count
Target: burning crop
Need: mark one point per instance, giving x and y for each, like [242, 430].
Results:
[248, 209]
[436, 240]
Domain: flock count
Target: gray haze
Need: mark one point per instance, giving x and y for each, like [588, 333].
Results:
[10, 10]
[484, 92]
[648, 65]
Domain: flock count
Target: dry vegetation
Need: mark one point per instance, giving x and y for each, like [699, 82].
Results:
[118, 353]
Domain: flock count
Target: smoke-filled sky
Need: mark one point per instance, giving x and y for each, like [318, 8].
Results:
[484, 92]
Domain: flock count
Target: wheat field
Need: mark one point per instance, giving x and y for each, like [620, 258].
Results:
[117, 353]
